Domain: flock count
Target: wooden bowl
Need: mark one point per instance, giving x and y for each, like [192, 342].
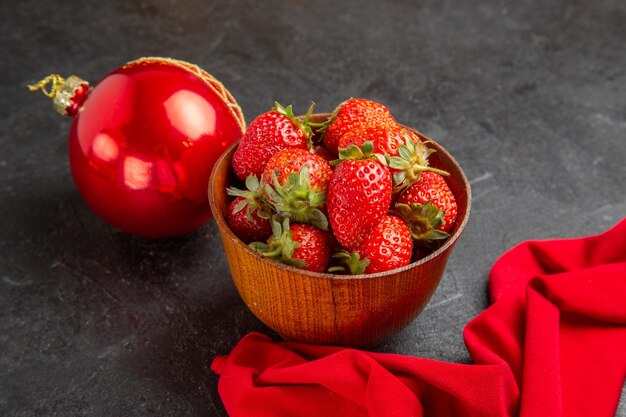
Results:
[324, 308]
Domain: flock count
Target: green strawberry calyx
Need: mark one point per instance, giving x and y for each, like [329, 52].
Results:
[297, 200]
[424, 221]
[280, 246]
[365, 151]
[350, 263]
[303, 123]
[253, 199]
[412, 161]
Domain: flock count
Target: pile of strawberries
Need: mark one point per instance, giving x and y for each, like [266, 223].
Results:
[354, 194]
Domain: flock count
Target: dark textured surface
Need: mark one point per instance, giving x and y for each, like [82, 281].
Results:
[529, 97]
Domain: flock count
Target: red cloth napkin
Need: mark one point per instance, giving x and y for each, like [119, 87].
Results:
[553, 343]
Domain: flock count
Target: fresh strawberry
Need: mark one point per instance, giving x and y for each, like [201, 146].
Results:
[429, 208]
[385, 139]
[358, 195]
[301, 245]
[316, 247]
[296, 185]
[267, 134]
[249, 213]
[350, 114]
[247, 225]
[288, 161]
[389, 246]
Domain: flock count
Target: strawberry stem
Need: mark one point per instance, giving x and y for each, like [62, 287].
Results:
[313, 124]
[421, 168]
[273, 253]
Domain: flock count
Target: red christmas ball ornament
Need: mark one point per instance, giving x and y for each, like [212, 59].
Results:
[144, 140]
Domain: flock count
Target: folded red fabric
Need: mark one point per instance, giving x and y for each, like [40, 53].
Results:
[553, 343]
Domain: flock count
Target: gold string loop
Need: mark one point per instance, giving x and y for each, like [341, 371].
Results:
[57, 82]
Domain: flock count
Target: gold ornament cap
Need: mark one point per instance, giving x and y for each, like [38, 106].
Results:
[63, 92]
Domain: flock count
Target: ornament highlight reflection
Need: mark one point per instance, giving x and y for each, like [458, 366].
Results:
[105, 148]
[190, 114]
[137, 173]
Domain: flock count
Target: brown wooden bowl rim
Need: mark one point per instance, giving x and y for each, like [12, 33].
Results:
[221, 221]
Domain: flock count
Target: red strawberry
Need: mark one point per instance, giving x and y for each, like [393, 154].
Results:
[350, 114]
[386, 139]
[429, 207]
[389, 246]
[247, 225]
[267, 134]
[316, 246]
[296, 185]
[248, 214]
[358, 195]
[289, 161]
[300, 245]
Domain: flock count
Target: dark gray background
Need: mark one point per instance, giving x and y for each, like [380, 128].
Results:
[530, 97]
